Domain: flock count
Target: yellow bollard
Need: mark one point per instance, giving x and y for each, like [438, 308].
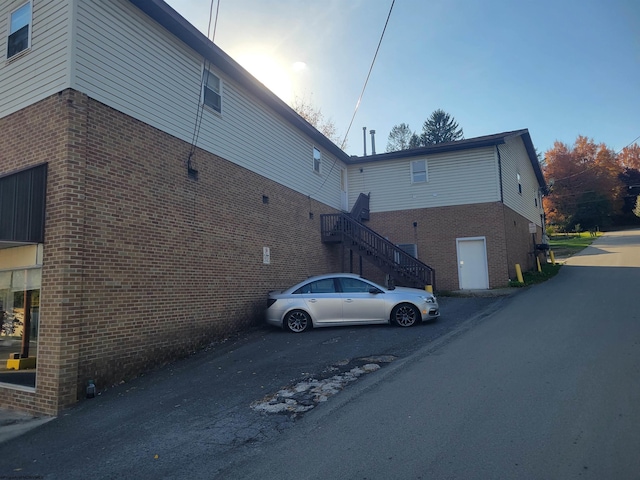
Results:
[519, 273]
[553, 257]
[538, 261]
[429, 288]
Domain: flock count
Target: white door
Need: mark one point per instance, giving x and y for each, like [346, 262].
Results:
[473, 272]
[344, 196]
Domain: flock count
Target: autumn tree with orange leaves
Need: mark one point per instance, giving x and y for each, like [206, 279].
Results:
[585, 185]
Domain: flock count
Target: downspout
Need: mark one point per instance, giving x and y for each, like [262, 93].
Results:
[504, 220]
[500, 173]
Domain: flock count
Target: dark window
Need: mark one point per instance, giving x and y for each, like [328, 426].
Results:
[20, 23]
[319, 286]
[22, 202]
[353, 285]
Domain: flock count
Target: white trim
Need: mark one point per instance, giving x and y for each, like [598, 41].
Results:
[426, 171]
[210, 72]
[313, 165]
[344, 189]
[21, 388]
[9, 32]
[72, 63]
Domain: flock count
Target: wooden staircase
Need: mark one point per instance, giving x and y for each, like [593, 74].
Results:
[403, 268]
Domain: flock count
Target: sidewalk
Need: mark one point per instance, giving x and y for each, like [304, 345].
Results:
[14, 424]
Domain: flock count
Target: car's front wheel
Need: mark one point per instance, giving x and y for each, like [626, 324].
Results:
[297, 321]
[405, 315]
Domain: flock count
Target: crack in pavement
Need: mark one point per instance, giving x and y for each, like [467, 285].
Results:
[307, 393]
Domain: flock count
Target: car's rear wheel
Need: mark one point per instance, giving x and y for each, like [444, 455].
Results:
[405, 315]
[297, 321]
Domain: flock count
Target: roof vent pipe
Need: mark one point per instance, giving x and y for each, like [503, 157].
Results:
[373, 141]
[364, 138]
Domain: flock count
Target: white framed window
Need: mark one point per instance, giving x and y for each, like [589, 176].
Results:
[418, 171]
[19, 30]
[519, 183]
[317, 158]
[212, 90]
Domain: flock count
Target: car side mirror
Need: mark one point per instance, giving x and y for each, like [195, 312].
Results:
[375, 291]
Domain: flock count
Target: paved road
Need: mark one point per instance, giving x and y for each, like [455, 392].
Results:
[546, 388]
[193, 419]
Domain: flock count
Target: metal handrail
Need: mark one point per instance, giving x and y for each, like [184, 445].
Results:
[341, 226]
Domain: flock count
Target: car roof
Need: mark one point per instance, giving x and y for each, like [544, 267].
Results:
[326, 275]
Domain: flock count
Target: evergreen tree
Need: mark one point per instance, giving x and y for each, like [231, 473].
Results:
[440, 127]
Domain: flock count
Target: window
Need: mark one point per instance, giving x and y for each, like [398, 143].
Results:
[212, 91]
[19, 31]
[316, 160]
[409, 248]
[353, 285]
[519, 184]
[419, 171]
[319, 286]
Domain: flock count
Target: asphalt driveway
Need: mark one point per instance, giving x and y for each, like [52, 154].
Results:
[193, 417]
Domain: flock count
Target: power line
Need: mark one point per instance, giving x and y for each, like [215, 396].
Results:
[632, 142]
[355, 111]
[203, 81]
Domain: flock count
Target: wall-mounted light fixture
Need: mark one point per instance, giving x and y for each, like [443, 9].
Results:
[191, 168]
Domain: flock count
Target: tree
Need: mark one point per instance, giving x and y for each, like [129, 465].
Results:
[636, 210]
[629, 157]
[585, 184]
[440, 127]
[314, 116]
[399, 138]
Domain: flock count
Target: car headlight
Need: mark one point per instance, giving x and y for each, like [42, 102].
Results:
[429, 299]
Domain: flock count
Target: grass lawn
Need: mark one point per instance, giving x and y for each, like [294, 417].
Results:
[565, 246]
[562, 246]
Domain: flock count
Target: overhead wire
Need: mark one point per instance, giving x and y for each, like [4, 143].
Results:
[203, 81]
[355, 111]
[632, 142]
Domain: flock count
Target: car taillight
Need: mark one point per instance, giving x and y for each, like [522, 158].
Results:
[271, 301]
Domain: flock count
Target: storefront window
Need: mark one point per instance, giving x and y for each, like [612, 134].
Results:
[20, 309]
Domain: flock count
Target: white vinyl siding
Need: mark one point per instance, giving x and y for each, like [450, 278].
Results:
[128, 62]
[518, 174]
[41, 71]
[458, 178]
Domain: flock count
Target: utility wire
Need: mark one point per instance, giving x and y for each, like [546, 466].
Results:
[355, 111]
[203, 81]
[632, 142]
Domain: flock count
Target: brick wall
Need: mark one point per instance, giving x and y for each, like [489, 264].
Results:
[436, 233]
[143, 264]
[520, 244]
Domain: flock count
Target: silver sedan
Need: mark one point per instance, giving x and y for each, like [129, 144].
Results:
[348, 299]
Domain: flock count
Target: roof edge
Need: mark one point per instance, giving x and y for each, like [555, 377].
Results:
[177, 25]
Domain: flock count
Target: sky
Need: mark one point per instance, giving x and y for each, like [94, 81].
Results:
[560, 68]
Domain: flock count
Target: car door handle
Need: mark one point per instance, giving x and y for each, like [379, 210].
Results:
[312, 300]
[348, 300]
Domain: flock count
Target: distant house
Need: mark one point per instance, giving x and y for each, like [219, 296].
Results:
[152, 192]
[470, 209]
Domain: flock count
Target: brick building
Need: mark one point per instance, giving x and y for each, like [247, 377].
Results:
[125, 243]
